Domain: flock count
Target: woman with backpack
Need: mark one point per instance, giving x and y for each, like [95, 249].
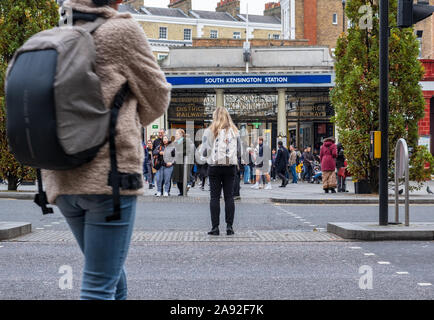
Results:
[222, 145]
[83, 194]
[164, 169]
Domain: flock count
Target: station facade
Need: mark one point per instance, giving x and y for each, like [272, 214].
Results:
[283, 94]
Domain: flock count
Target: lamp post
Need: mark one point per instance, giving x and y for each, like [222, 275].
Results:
[384, 110]
[343, 15]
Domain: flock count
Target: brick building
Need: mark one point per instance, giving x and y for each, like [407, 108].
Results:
[426, 125]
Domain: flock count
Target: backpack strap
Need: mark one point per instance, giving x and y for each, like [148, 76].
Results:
[93, 26]
[114, 177]
[41, 196]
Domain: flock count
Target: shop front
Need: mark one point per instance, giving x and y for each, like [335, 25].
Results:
[308, 116]
[254, 114]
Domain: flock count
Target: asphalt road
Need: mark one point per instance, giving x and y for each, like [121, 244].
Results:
[231, 270]
[160, 216]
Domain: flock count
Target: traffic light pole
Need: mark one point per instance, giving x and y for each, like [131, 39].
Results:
[384, 111]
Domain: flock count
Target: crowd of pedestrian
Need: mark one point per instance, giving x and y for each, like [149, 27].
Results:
[289, 165]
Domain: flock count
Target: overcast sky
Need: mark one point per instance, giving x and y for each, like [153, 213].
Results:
[255, 6]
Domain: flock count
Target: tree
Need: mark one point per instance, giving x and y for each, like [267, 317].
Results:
[356, 94]
[19, 20]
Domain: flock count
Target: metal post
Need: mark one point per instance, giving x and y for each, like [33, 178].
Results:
[384, 108]
[184, 180]
[401, 147]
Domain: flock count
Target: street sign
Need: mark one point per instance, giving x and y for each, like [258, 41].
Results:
[155, 126]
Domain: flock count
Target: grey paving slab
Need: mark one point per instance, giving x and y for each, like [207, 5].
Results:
[373, 231]
[192, 236]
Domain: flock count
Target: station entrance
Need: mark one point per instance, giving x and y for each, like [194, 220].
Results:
[255, 110]
[280, 93]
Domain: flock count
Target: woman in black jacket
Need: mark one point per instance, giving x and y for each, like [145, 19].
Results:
[164, 167]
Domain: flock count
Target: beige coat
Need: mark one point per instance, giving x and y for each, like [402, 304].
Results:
[123, 54]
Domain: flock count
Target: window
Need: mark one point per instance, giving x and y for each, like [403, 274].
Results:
[237, 35]
[162, 56]
[214, 34]
[163, 33]
[187, 34]
[335, 18]
[276, 36]
[333, 52]
[419, 34]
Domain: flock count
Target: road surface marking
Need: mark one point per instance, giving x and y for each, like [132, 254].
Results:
[56, 222]
[39, 228]
[424, 284]
[369, 254]
[355, 248]
[383, 262]
[312, 225]
[47, 225]
[1, 246]
[402, 272]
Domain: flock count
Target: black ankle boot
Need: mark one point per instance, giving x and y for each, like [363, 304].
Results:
[229, 230]
[214, 231]
[333, 190]
[326, 190]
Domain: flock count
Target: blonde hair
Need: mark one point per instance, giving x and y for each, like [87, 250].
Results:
[222, 120]
[181, 132]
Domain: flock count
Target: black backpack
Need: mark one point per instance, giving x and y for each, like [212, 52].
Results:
[56, 118]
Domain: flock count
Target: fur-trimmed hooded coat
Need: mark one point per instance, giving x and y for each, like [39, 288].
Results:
[123, 54]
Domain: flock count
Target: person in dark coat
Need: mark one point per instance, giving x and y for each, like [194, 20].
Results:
[328, 155]
[180, 145]
[155, 146]
[307, 164]
[282, 163]
[340, 163]
[159, 140]
[273, 164]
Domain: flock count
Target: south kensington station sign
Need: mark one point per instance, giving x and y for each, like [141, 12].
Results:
[237, 81]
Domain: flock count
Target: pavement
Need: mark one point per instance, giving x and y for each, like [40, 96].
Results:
[305, 193]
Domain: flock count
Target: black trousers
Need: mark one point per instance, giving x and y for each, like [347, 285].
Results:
[222, 177]
[282, 172]
[180, 186]
[237, 186]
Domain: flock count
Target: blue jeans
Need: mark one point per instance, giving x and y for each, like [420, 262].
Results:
[294, 173]
[164, 175]
[104, 244]
[246, 173]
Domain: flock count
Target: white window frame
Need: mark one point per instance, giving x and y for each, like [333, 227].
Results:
[335, 19]
[237, 35]
[190, 33]
[161, 56]
[216, 34]
[276, 36]
[160, 33]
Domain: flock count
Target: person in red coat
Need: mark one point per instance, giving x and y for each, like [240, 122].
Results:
[328, 155]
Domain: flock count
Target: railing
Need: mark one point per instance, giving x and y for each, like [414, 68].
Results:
[402, 169]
